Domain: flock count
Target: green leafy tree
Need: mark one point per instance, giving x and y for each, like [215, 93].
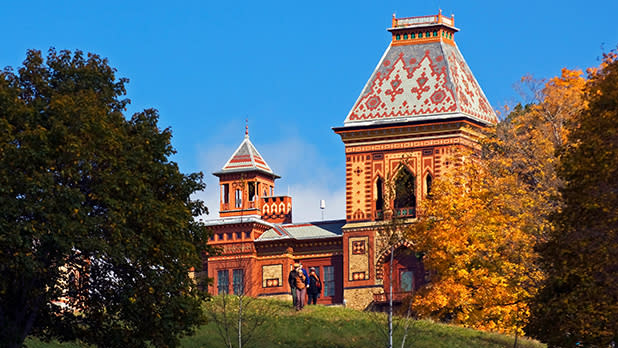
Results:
[578, 304]
[97, 228]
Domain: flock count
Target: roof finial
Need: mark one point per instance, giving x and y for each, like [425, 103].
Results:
[246, 127]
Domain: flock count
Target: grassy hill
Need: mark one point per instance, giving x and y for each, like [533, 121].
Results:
[319, 326]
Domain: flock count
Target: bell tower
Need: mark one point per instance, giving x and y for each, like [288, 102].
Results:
[247, 186]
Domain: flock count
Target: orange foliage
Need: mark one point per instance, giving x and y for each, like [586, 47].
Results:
[475, 234]
[481, 225]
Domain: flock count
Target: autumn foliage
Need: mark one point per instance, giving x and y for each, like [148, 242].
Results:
[491, 209]
[578, 302]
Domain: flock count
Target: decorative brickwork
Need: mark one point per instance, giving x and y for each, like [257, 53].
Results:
[272, 276]
[358, 263]
[420, 105]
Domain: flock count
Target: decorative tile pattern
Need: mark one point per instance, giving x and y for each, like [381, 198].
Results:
[421, 80]
[407, 89]
[359, 276]
[246, 157]
[471, 99]
[358, 263]
[359, 247]
[272, 275]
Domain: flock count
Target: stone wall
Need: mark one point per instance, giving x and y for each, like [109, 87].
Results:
[281, 297]
[360, 298]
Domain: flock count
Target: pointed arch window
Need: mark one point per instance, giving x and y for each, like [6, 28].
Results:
[405, 190]
[379, 194]
[428, 183]
[251, 190]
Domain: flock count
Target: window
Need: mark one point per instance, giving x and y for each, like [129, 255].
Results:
[405, 36]
[379, 194]
[329, 281]
[406, 280]
[251, 191]
[435, 33]
[223, 281]
[412, 36]
[405, 190]
[225, 193]
[238, 281]
[398, 37]
[428, 182]
[238, 202]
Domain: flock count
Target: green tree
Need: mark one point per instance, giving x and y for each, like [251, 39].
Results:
[578, 304]
[97, 228]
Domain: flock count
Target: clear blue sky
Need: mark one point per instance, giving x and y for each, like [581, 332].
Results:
[293, 68]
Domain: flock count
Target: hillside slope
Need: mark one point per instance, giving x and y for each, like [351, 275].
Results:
[320, 326]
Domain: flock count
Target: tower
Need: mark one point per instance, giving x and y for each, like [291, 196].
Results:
[420, 104]
[247, 187]
[247, 209]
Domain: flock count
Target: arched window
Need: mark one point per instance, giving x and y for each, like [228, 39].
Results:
[379, 194]
[251, 190]
[238, 199]
[428, 182]
[405, 190]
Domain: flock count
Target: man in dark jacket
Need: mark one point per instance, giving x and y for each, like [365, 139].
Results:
[292, 281]
[314, 286]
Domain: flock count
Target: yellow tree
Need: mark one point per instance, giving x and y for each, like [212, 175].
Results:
[488, 212]
[578, 303]
[475, 233]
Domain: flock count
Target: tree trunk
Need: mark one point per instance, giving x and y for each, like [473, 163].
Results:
[390, 301]
[239, 321]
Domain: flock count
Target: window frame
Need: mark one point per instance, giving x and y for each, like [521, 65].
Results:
[223, 287]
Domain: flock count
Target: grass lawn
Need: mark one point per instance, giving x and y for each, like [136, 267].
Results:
[320, 326]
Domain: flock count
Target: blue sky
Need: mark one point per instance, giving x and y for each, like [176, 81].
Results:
[294, 69]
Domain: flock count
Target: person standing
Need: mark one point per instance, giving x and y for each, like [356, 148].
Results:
[315, 286]
[301, 287]
[292, 281]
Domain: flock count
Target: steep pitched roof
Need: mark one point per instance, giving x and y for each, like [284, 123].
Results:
[246, 158]
[420, 79]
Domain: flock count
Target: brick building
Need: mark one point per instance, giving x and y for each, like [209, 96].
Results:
[420, 104]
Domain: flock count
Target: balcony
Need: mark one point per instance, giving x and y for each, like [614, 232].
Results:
[405, 212]
[409, 212]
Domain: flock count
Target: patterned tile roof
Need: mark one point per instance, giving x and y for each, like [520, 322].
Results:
[246, 158]
[420, 81]
[311, 230]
